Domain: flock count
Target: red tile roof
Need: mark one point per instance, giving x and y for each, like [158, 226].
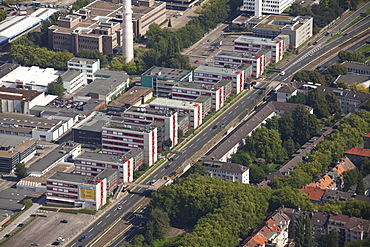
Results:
[358, 151]
[313, 193]
[323, 183]
[367, 134]
[272, 225]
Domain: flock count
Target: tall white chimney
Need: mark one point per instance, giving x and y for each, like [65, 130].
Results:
[257, 7]
[127, 32]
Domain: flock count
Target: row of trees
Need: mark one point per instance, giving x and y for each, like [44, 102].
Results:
[354, 56]
[348, 134]
[324, 12]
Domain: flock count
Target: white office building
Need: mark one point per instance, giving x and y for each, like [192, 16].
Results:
[259, 7]
[87, 66]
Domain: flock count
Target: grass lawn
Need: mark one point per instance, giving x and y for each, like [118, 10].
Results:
[273, 167]
[352, 23]
[160, 243]
[334, 37]
[367, 11]
[365, 48]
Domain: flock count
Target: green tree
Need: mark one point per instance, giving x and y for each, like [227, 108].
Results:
[350, 178]
[27, 203]
[354, 56]
[331, 239]
[241, 157]
[303, 232]
[3, 15]
[169, 23]
[161, 222]
[272, 123]
[299, 98]
[305, 124]
[316, 99]
[60, 80]
[21, 170]
[360, 188]
[333, 103]
[336, 69]
[55, 89]
[197, 168]
[286, 126]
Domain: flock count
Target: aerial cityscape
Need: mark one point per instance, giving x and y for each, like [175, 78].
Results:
[192, 123]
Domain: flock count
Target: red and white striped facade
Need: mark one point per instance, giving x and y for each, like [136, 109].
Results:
[146, 116]
[252, 45]
[211, 75]
[119, 138]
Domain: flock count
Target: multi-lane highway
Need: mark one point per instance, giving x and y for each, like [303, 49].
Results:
[138, 194]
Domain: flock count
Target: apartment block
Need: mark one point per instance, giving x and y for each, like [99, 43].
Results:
[235, 59]
[211, 75]
[145, 116]
[227, 171]
[72, 80]
[193, 109]
[68, 189]
[92, 164]
[87, 66]
[119, 138]
[191, 91]
[253, 45]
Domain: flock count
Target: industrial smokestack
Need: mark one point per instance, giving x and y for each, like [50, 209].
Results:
[127, 32]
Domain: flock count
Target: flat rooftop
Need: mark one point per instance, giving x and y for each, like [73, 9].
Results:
[70, 75]
[130, 127]
[235, 54]
[173, 103]
[94, 123]
[132, 96]
[149, 111]
[199, 86]
[167, 73]
[32, 76]
[210, 69]
[71, 177]
[18, 94]
[6, 68]
[29, 122]
[92, 156]
[83, 60]
[252, 39]
[275, 22]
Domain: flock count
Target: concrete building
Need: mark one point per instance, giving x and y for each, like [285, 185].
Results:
[119, 138]
[358, 68]
[259, 7]
[135, 96]
[227, 171]
[30, 78]
[211, 75]
[299, 28]
[72, 80]
[193, 109]
[92, 164]
[98, 26]
[106, 85]
[87, 66]
[63, 153]
[145, 116]
[253, 45]
[349, 228]
[187, 91]
[17, 100]
[14, 150]
[68, 189]
[162, 79]
[235, 59]
[38, 128]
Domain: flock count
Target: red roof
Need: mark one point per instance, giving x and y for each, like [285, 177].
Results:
[313, 193]
[358, 151]
[272, 225]
[367, 134]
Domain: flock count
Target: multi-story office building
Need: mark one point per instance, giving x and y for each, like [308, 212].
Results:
[193, 109]
[145, 116]
[259, 7]
[162, 79]
[235, 59]
[91, 164]
[98, 26]
[119, 138]
[253, 45]
[212, 75]
[14, 150]
[72, 80]
[191, 91]
[298, 28]
[76, 190]
[87, 66]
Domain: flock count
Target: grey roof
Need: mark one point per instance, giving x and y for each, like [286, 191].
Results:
[196, 86]
[57, 110]
[167, 73]
[357, 65]
[112, 80]
[101, 157]
[289, 107]
[95, 123]
[78, 59]
[70, 177]
[11, 199]
[224, 166]
[288, 88]
[6, 68]
[351, 78]
[218, 70]
[336, 195]
[235, 54]
[70, 75]
[202, 99]
[52, 157]
[12, 140]
[132, 96]
[108, 173]
[149, 111]
[130, 127]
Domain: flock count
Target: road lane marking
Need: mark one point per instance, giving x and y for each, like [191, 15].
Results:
[107, 216]
[100, 222]
[237, 107]
[128, 203]
[155, 175]
[91, 229]
[103, 224]
[132, 195]
[115, 214]
[248, 97]
[73, 244]
[124, 202]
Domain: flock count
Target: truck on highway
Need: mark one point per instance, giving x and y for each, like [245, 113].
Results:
[282, 73]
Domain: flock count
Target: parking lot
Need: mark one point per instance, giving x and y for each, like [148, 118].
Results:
[46, 230]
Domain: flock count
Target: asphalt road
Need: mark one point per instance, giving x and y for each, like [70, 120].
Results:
[138, 194]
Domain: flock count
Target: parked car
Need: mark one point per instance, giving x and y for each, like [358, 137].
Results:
[64, 221]
[196, 61]
[35, 244]
[214, 127]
